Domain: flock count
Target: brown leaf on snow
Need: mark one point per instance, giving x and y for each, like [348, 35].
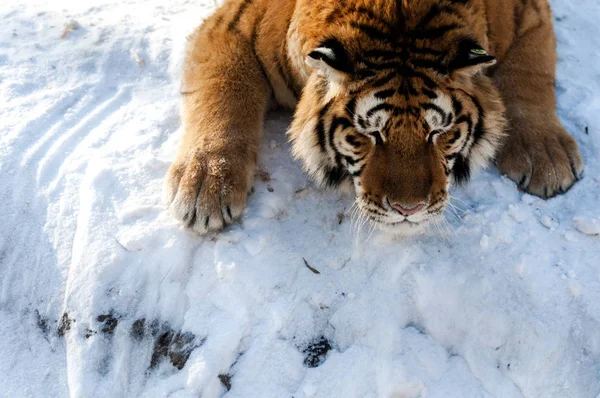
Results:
[310, 268]
[226, 381]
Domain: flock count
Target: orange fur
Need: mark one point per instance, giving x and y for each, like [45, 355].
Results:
[321, 57]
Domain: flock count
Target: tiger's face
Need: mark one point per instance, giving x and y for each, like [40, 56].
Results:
[396, 131]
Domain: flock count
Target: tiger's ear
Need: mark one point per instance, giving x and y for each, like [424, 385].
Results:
[330, 59]
[471, 57]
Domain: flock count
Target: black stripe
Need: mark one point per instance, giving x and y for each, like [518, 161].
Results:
[377, 136]
[399, 70]
[455, 137]
[407, 89]
[434, 64]
[385, 93]
[402, 50]
[446, 169]
[363, 74]
[427, 51]
[320, 128]
[470, 133]
[351, 108]
[333, 176]
[238, 15]
[479, 130]
[433, 33]
[381, 107]
[368, 12]
[461, 169]
[435, 108]
[383, 65]
[426, 79]
[351, 139]
[382, 81]
[371, 31]
[358, 172]
[380, 54]
[340, 121]
[362, 123]
[435, 11]
[449, 117]
[433, 134]
[407, 72]
[335, 124]
[338, 14]
[457, 106]
[465, 119]
[409, 110]
[333, 16]
[404, 47]
[429, 93]
[350, 160]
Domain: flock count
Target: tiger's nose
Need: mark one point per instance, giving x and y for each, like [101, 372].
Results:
[407, 210]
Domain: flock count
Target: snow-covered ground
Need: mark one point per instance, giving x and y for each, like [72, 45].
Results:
[103, 294]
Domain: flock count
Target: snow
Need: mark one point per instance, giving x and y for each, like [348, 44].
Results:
[98, 283]
[587, 226]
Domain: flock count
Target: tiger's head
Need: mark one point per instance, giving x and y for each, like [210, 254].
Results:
[397, 108]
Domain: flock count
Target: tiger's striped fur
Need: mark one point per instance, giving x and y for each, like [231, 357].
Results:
[394, 99]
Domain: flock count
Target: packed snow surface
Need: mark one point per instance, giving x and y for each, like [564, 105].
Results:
[103, 294]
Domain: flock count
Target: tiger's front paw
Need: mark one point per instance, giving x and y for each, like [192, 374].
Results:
[544, 164]
[207, 191]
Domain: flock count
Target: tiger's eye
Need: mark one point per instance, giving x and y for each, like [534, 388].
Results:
[478, 51]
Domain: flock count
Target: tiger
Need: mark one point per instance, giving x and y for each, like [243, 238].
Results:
[394, 100]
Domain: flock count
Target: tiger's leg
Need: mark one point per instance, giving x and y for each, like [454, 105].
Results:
[538, 154]
[225, 96]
